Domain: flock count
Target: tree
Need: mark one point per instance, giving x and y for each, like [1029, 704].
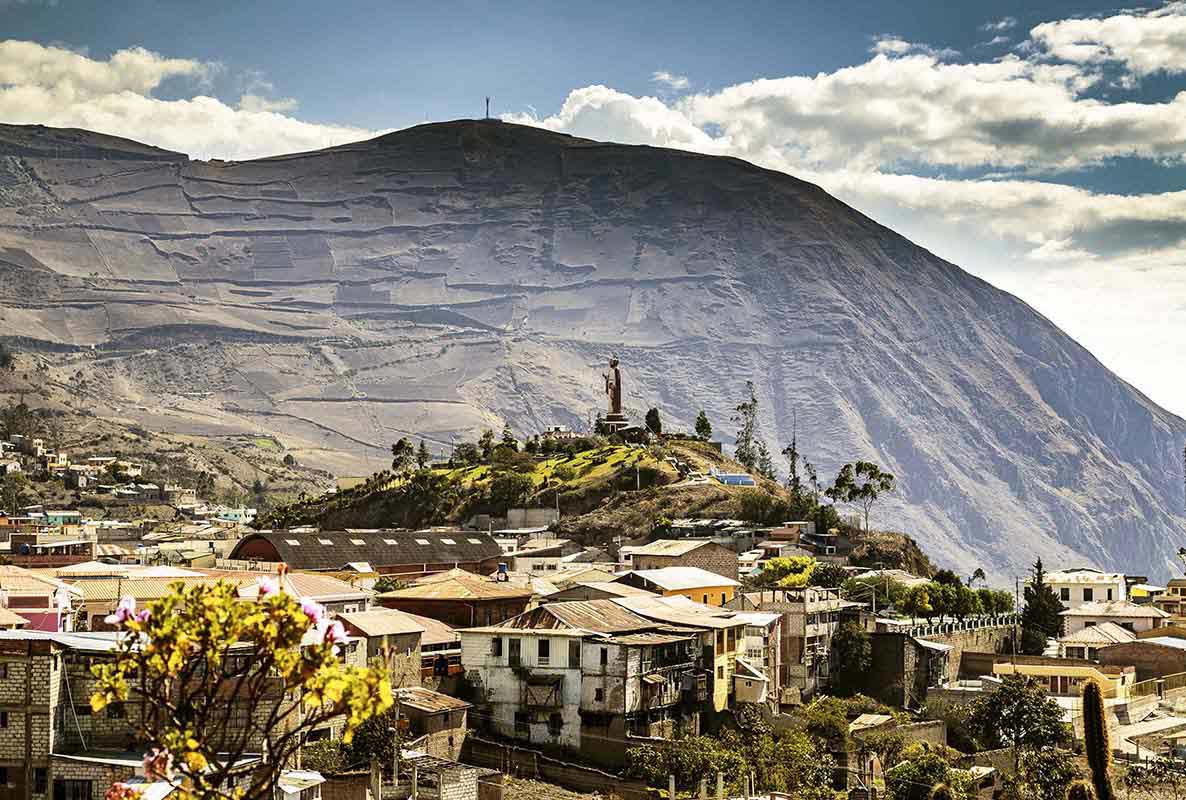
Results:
[862, 483]
[1041, 774]
[946, 577]
[977, 575]
[289, 460]
[794, 482]
[227, 677]
[828, 575]
[746, 418]
[508, 439]
[510, 489]
[923, 767]
[1018, 713]
[423, 457]
[402, 456]
[851, 656]
[486, 445]
[7, 360]
[916, 602]
[765, 464]
[965, 602]
[466, 454]
[654, 424]
[995, 601]
[787, 572]
[703, 426]
[13, 493]
[1041, 618]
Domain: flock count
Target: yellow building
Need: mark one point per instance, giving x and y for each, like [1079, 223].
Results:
[690, 582]
[1065, 676]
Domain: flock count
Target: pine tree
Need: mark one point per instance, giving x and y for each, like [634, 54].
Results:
[422, 455]
[765, 463]
[654, 424]
[1041, 618]
[703, 426]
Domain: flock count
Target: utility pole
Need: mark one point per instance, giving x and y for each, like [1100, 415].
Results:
[487, 108]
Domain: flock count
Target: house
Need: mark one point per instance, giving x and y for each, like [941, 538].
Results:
[598, 590]
[829, 545]
[299, 784]
[1128, 615]
[722, 636]
[440, 652]
[1080, 585]
[52, 547]
[392, 636]
[437, 722]
[751, 684]
[763, 646]
[1064, 677]
[694, 583]
[810, 617]
[1145, 592]
[1153, 657]
[459, 598]
[338, 596]
[540, 556]
[389, 552]
[584, 675]
[10, 467]
[701, 553]
[1086, 643]
[1173, 601]
[45, 603]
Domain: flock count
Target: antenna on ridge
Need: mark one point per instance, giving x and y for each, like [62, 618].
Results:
[487, 108]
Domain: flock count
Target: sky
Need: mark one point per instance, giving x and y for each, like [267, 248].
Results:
[1039, 145]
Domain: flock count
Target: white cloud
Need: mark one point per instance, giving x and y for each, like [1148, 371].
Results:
[58, 87]
[1145, 43]
[1002, 24]
[671, 80]
[995, 41]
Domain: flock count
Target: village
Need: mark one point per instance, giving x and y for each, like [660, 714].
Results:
[515, 653]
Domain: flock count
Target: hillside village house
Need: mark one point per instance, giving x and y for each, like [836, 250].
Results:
[541, 556]
[388, 552]
[585, 675]
[1064, 677]
[437, 722]
[1133, 617]
[693, 583]
[1173, 601]
[1087, 643]
[1075, 587]
[47, 604]
[459, 598]
[763, 647]
[392, 637]
[700, 553]
[597, 590]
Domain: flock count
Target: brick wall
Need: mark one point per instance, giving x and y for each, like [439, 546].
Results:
[101, 776]
[1151, 660]
[711, 557]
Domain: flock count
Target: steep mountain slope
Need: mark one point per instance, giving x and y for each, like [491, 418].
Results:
[447, 277]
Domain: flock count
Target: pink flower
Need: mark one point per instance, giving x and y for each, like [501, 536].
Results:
[121, 791]
[143, 615]
[267, 587]
[329, 631]
[158, 765]
[125, 611]
[313, 610]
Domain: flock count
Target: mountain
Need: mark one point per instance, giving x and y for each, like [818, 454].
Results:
[448, 277]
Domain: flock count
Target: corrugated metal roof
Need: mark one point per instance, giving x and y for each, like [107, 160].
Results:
[16, 580]
[428, 701]
[671, 547]
[611, 588]
[1104, 633]
[330, 550]
[681, 611]
[382, 622]
[1114, 608]
[9, 618]
[1165, 641]
[435, 631]
[457, 584]
[599, 616]
[674, 579]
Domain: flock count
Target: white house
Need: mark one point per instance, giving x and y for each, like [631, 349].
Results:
[1130, 616]
[1075, 587]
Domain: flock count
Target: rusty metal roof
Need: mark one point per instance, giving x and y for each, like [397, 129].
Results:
[381, 622]
[671, 547]
[428, 701]
[457, 584]
[596, 616]
[679, 610]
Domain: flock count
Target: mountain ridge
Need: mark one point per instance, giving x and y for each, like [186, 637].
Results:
[451, 276]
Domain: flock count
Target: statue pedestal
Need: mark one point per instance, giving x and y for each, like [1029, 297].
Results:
[615, 422]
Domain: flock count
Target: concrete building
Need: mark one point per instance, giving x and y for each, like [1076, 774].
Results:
[1064, 677]
[459, 598]
[585, 675]
[1087, 643]
[693, 583]
[1080, 585]
[700, 553]
[437, 722]
[598, 590]
[392, 637]
[810, 617]
[1133, 617]
[1173, 601]
[1153, 657]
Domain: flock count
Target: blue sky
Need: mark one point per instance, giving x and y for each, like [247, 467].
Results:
[1039, 145]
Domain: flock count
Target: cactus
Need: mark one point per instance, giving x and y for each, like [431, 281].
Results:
[1080, 790]
[941, 791]
[1095, 740]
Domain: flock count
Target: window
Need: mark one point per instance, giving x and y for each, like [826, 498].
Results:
[1109, 594]
[358, 542]
[3, 719]
[545, 651]
[555, 724]
[72, 790]
[1064, 594]
[1088, 595]
[390, 541]
[704, 599]
[448, 541]
[496, 647]
[720, 641]
[598, 695]
[327, 542]
[604, 656]
[720, 673]
[4, 777]
[3, 670]
[294, 543]
[513, 655]
[423, 541]
[40, 780]
[723, 600]
[523, 723]
[574, 653]
[474, 541]
[116, 711]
